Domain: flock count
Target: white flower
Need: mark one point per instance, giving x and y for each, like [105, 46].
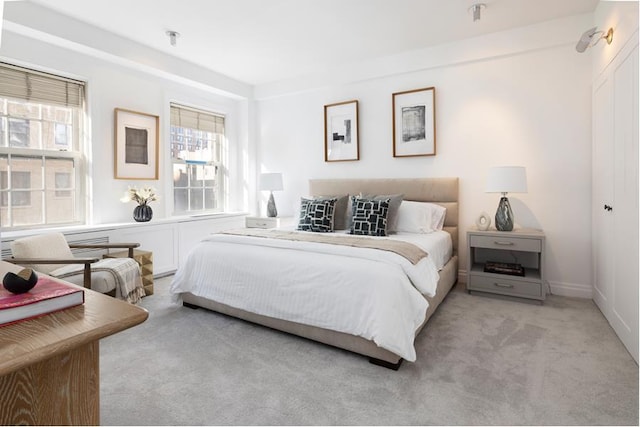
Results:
[142, 196]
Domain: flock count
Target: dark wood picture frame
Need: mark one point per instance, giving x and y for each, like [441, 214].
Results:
[341, 135]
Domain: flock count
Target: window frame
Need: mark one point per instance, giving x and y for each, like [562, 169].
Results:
[220, 142]
[48, 120]
[40, 189]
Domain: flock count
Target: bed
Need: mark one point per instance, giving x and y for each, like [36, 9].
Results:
[199, 284]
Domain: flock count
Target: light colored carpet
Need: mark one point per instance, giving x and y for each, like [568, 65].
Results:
[480, 361]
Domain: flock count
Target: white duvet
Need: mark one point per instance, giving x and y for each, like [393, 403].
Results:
[370, 293]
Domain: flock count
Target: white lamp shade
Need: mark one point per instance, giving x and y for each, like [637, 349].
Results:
[507, 179]
[271, 182]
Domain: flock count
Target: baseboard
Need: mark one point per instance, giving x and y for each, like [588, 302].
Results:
[571, 290]
[462, 276]
[164, 274]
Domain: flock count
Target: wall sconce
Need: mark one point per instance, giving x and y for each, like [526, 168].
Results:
[587, 38]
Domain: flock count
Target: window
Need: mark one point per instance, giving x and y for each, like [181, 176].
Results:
[63, 182]
[20, 181]
[40, 150]
[18, 133]
[197, 153]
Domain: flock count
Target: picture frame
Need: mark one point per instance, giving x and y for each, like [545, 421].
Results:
[341, 136]
[136, 145]
[414, 123]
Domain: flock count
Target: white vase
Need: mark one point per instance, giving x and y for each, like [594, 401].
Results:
[483, 222]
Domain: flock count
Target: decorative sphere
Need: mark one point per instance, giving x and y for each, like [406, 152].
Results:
[20, 283]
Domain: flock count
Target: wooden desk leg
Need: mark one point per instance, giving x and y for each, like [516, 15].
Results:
[62, 390]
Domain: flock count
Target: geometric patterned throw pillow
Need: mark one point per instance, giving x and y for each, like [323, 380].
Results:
[316, 215]
[369, 216]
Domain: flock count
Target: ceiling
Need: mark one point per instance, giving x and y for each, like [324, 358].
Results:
[264, 41]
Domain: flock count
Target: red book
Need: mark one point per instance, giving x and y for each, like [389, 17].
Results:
[45, 297]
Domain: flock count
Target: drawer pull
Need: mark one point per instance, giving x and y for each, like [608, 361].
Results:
[497, 242]
[503, 285]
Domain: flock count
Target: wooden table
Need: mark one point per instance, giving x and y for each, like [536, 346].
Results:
[49, 366]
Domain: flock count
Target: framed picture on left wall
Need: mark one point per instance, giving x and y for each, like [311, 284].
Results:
[341, 132]
[136, 145]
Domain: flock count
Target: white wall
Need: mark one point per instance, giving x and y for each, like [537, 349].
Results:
[517, 97]
[111, 85]
[522, 97]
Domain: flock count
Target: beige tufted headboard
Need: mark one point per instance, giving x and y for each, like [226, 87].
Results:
[443, 191]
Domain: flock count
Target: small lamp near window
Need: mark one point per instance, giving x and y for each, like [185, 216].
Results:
[271, 182]
[506, 179]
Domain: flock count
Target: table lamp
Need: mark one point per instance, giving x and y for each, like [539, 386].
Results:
[271, 182]
[506, 179]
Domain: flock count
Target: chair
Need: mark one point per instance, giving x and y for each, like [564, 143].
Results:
[119, 277]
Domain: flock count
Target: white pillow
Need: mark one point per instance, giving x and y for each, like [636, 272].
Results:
[420, 217]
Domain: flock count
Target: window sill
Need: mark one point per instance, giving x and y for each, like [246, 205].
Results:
[12, 235]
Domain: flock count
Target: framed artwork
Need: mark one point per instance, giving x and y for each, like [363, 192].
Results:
[136, 145]
[414, 123]
[341, 132]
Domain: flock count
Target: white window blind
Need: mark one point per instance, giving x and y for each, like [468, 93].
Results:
[186, 117]
[37, 87]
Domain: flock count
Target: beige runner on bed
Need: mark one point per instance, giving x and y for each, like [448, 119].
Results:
[405, 249]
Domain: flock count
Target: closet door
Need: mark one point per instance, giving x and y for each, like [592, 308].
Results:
[615, 192]
[602, 194]
[624, 304]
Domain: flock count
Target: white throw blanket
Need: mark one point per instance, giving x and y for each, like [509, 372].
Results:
[125, 272]
[359, 291]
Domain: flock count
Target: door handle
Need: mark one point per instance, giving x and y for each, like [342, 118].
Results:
[608, 208]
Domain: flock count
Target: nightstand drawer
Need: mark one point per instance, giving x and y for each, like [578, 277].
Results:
[258, 222]
[505, 285]
[506, 243]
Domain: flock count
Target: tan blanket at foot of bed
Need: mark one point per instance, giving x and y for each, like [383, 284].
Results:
[407, 250]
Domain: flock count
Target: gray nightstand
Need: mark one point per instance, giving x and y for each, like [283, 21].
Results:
[524, 247]
[261, 222]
